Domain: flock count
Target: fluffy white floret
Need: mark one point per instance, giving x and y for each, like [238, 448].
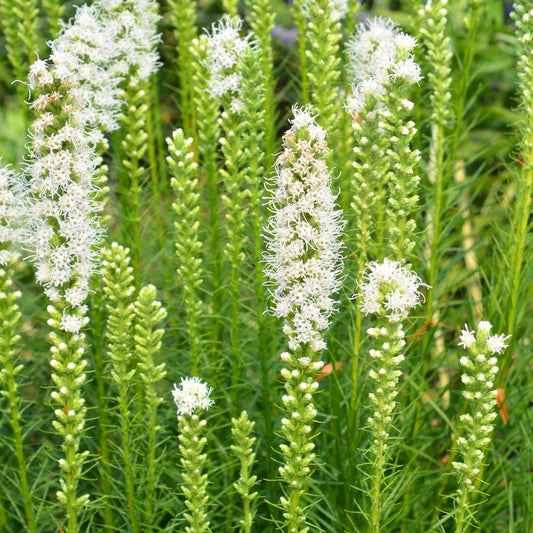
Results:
[497, 344]
[389, 289]
[467, 338]
[192, 395]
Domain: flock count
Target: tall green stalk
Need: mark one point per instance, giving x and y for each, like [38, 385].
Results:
[9, 388]
[117, 275]
[183, 19]
[262, 23]
[437, 65]
[189, 245]
[401, 196]
[255, 94]
[97, 305]
[147, 336]
[235, 201]
[207, 114]
[388, 291]
[324, 69]
[520, 239]
[133, 173]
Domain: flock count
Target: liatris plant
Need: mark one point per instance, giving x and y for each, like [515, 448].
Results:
[480, 370]
[226, 50]
[388, 291]
[192, 398]
[62, 232]
[518, 242]
[207, 115]
[303, 265]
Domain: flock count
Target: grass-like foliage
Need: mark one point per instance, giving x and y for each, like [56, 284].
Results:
[265, 266]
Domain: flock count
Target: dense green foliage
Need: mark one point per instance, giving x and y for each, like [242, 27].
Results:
[184, 293]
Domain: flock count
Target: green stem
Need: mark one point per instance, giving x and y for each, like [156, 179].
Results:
[10, 315]
[152, 428]
[520, 229]
[99, 372]
[460, 525]
[300, 19]
[126, 448]
[15, 417]
[377, 473]
[235, 334]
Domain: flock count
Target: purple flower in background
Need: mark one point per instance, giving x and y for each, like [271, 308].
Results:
[288, 35]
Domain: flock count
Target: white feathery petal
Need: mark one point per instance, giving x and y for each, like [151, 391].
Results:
[497, 344]
[467, 338]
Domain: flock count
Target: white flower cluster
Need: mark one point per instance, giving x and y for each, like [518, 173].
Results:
[304, 261]
[78, 99]
[61, 227]
[379, 54]
[134, 25]
[11, 212]
[495, 343]
[87, 37]
[115, 41]
[192, 394]
[389, 290]
[339, 9]
[225, 47]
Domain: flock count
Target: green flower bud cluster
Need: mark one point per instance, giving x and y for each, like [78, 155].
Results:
[433, 18]
[242, 447]
[189, 245]
[119, 290]
[299, 374]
